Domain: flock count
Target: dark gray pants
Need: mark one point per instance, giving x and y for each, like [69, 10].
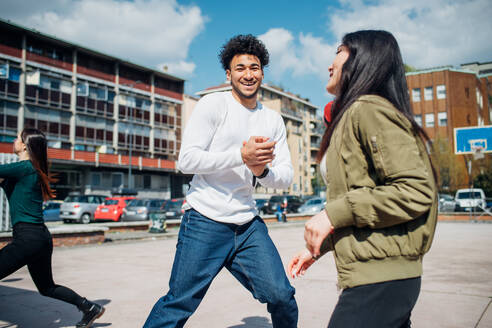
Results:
[382, 305]
[32, 245]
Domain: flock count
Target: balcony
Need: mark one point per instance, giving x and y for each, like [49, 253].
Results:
[318, 130]
[48, 97]
[315, 144]
[291, 114]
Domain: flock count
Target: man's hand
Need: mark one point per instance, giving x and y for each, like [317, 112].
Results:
[316, 230]
[300, 263]
[256, 153]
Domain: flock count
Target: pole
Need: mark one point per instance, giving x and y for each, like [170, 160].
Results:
[131, 146]
[130, 137]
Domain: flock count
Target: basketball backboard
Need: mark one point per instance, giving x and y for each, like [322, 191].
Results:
[467, 140]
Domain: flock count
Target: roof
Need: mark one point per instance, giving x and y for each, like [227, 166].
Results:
[440, 69]
[66, 44]
[477, 63]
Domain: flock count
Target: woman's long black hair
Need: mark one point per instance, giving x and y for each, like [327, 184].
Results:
[374, 67]
[37, 148]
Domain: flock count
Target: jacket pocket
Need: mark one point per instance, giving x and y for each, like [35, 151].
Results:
[363, 244]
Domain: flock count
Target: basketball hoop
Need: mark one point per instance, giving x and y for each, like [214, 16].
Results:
[478, 153]
[478, 147]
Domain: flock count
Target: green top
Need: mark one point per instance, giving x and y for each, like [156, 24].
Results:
[23, 192]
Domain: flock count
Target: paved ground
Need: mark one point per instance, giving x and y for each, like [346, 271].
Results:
[128, 277]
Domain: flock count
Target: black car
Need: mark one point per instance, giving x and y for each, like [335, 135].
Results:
[261, 205]
[173, 208]
[293, 203]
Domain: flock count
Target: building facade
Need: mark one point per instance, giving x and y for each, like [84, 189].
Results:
[99, 113]
[446, 98]
[484, 72]
[304, 130]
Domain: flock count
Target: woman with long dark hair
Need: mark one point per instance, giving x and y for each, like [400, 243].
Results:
[26, 184]
[381, 208]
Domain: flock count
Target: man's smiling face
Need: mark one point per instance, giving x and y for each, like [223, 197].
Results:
[245, 74]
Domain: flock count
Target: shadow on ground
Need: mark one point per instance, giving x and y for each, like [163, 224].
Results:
[254, 322]
[24, 308]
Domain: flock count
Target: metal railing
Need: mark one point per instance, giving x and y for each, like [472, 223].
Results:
[5, 224]
[290, 112]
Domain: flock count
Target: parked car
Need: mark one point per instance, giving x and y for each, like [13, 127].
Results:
[261, 205]
[140, 209]
[80, 208]
[470, 200]
[51, 211]
[291, 201]
[312, 206]
[446, 203]
[174, 208]
[112, 208]
[305, 198]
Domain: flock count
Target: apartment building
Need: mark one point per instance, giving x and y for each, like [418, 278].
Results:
[304, 131]
[100, 113]
[446, 98]
[484, 72]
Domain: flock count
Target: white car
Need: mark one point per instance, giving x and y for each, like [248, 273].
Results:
[312, 206]
[446, 203]
[470, 200]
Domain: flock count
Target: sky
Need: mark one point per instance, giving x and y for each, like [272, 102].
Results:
[301, 36]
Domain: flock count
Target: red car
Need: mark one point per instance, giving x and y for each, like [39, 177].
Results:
[112, 208]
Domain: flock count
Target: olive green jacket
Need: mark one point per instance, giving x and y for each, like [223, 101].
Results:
[381, 195]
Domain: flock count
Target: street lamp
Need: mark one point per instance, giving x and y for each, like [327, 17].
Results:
[130, 136]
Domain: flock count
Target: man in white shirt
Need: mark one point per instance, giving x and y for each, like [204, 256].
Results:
[231, 142]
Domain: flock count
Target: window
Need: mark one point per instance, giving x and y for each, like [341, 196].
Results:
[14, 74]
[442, 118]
[418, 119]
[98, 93]
[416, 95]
[95, 179]
[116, 179]
[479, 98]
[428, 93]
[8, 115]
[441, 91]
[4, 71]
[429, 120]
[82, 89]
[68, 178]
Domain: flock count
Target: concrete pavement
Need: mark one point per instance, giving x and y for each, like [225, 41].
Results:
[128, 276]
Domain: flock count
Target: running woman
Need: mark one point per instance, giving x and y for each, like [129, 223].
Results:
[26, 184]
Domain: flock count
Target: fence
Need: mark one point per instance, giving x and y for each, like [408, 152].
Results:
[5, 224]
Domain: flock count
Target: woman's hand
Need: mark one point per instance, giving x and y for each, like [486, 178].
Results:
[315, 232]
[300, 263]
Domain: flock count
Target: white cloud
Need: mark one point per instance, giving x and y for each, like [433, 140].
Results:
[148, 32]
[179, 68]
[430, 33]
[306, 55]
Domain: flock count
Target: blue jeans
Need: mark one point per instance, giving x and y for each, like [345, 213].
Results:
[204, 248]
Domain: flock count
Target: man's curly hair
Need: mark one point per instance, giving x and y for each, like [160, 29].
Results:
[243, 44]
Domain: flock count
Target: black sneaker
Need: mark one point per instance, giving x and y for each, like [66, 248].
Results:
[94, 312]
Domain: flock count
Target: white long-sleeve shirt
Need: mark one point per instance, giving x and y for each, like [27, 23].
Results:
[222, 185]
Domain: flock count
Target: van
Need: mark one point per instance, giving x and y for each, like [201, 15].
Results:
[470, 200]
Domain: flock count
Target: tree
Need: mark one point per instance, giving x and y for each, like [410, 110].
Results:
[483, 177]
[450, 170]
[409, 68]
[484, 181]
